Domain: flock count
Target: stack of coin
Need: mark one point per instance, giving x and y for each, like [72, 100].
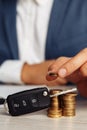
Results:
[55, 109]
[69, 103]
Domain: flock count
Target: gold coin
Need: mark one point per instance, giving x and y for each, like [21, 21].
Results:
[54, 116]
[53, 109]
[55, 91]
[69, 104]
[71, 94]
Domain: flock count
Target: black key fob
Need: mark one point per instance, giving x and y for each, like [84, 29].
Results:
[28, 101]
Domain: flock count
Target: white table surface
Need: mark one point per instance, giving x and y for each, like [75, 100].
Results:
[39, 120]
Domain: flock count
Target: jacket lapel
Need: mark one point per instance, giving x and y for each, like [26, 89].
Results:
[10, 27]
[56, 20]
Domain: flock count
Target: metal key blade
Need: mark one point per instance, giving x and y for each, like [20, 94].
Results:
[65, 92]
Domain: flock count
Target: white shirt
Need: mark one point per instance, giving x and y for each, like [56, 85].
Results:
[32, 25]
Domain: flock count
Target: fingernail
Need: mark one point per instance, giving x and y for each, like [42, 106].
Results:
[62, 72]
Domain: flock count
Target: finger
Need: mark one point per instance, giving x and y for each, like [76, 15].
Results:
[57, 64]
[61, 81]
[58, 81]
[53, 69]
[83, 70]
[75, 77]
[73, 64]
[82, 88]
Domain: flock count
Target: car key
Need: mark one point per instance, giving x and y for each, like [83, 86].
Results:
[28, 101]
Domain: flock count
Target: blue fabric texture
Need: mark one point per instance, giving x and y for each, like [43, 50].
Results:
[67, 31]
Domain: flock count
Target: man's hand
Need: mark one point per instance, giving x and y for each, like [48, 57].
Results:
[36, 74]
[73, 69]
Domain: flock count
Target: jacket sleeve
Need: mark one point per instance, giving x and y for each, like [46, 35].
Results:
[10, 67]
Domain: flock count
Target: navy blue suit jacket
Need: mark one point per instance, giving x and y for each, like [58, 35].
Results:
[67, 31]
